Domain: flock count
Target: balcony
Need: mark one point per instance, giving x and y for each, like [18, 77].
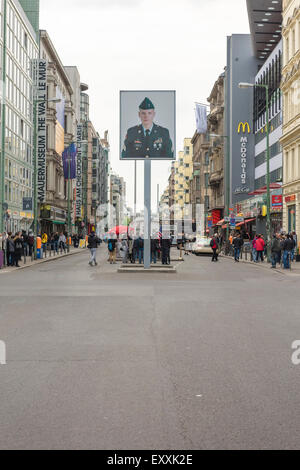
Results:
[216, 177]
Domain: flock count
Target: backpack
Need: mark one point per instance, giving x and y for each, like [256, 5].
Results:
[213, 244]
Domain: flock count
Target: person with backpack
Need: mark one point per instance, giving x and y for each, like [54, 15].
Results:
[238, 243]
[112, 248]
[94, 241]
[215, 246]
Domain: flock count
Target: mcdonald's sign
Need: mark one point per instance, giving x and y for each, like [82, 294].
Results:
[243, 126]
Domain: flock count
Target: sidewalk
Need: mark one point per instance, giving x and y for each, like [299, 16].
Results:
[265, 265]
[29, 263]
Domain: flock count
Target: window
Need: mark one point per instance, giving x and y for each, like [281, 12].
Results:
[25, 41]
[206, 203]
[206, 161]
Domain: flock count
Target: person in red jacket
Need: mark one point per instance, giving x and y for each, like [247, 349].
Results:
[260, 248]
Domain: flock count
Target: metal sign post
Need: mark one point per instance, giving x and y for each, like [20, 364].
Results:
[147, 214]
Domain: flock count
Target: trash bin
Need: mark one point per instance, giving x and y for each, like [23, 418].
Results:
[39, 253]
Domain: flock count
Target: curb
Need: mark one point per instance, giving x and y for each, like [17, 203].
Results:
[261, 266]
[36, 263]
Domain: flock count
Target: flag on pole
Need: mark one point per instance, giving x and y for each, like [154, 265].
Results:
[201, 118]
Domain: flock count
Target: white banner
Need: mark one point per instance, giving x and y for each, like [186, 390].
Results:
[79, 172]
[40, 82]
[201, 118]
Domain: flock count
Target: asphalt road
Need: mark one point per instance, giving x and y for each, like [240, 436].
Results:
[197, 360]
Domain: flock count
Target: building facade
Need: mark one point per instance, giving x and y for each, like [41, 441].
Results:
[201, 191]
[19, 48]
[118, 212]
[291, 116]
[60, 134]
[183, 169]
[217, 150]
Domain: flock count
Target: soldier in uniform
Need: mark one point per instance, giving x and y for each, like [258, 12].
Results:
[147, 140]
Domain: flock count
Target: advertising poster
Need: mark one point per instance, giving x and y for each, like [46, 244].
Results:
[147, 125]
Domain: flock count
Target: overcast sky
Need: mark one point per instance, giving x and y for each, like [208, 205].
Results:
[144, 44]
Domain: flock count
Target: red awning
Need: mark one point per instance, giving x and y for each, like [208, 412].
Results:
[264, 189]
[245, 222]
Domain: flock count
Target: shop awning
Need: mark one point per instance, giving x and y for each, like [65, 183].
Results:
[245, 222]
[57, 222]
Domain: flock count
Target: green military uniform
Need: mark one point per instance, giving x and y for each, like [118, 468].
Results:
[154, 143]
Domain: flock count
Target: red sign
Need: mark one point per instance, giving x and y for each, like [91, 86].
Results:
[290, 198]
[216, 216]
[277, 202]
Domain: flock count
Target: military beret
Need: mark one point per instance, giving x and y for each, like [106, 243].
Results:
[147, 104]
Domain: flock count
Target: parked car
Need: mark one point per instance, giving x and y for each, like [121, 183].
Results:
[202, 246]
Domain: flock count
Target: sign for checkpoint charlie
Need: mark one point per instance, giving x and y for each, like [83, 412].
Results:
[147, 125]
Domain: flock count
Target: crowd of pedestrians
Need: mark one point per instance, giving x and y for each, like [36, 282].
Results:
[131, 249]
[283, 248]
[14, 247]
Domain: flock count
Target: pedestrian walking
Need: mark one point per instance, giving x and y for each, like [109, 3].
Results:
[62, 243]
[275, 250]
[10, 250]
[112, 248]
[238, 243]
[214, 244]
[288, 247]
[254, 252]
[93, 242]
[260, 248]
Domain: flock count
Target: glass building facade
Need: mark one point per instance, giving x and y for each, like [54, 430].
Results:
[20, 48]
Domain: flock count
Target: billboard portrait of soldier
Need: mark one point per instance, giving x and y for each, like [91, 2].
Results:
[149, 138]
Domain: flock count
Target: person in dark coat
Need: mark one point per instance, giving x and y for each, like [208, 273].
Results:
[275, 250]
[94, 241]
[166, 248]
[154, 249]
[10, 250]
[238, 243]
[19, 247]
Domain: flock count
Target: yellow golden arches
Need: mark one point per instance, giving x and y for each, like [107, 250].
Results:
[244, 126]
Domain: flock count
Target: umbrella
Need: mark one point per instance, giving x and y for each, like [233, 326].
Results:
[121, 229]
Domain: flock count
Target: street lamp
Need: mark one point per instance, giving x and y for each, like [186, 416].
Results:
[269, 230]
[35, 167]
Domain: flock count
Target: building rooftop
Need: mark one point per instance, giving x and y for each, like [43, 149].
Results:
[265, 18]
